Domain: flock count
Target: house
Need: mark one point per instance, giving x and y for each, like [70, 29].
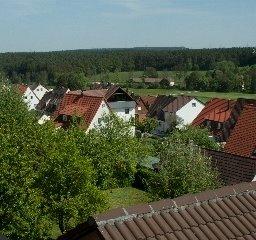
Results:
[232, 168]
[225, 213]
[39, 90]
[242, 140]
[49, 103]
[88, 110]
[167, 109]
[217, 117]
[119, 101]
[28, 96]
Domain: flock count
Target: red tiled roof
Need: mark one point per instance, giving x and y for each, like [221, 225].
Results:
[242, 140]
[148, 100]
[232, 168]
[79, 105]
[225, 213]
[22, 88]
[215, 110]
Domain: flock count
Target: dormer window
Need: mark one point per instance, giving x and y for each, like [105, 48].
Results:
[254, 153]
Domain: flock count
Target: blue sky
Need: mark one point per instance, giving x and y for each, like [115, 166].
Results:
[45, 25]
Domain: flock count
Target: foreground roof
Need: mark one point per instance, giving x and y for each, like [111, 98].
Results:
[225, 213]
[232, 168]
[242, 140]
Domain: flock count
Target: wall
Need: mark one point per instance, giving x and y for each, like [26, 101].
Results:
[188, 113]
[40, 91]
[30, 99]
[119, 109]
[102, 111]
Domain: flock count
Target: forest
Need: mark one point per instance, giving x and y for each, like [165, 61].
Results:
[64, 67]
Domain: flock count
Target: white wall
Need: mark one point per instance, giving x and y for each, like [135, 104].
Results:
[102, 111]
[30, 99]
[189, 112]
[119, 109]
[40, 91]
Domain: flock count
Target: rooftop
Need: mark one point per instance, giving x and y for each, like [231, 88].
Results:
[242, 140]
[225, 213]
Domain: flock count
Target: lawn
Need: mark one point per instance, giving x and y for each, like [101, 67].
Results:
[124, 197]
[203, 96]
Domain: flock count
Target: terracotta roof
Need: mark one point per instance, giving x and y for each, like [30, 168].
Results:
[232, 168]
[106, 93]
[215, 110]
[148, 100]
[242, 140]
[225, 213]
[79, 105]
[22, 88]
[51, 100]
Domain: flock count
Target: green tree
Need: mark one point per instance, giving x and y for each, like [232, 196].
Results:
[197, 81]
[44, 177]
[182, 170]
[199, 136]
[147, 125]
[114, 151]
[150, 72]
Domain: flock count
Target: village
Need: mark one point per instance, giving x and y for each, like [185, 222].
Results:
[127, 120]
[221, 213]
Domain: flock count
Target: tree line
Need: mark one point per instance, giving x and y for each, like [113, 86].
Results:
[54, 68]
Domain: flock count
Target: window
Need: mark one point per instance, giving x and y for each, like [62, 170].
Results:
[37, 90]
[64, 118]
[254, 153]
[193, 104]
[26, 97]
[219, 126]
[103, 105]
[139, 108]
[41, 89]
[99, 120]
[31, 97]
[127, 110]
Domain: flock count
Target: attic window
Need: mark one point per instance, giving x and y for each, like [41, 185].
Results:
[193, 104]
[37, 89]
[254, 153]
[139, 108]
[64, 118]
[31, 97]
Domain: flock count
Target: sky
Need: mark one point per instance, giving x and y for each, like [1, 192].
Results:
[47, 25]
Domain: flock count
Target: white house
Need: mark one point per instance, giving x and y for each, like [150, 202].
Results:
[168, 109]
[118, 100]
[28, 96]
[39, 90]
[32, 94]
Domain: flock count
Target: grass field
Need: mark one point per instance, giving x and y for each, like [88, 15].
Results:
[123, 197]
[203, 96]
